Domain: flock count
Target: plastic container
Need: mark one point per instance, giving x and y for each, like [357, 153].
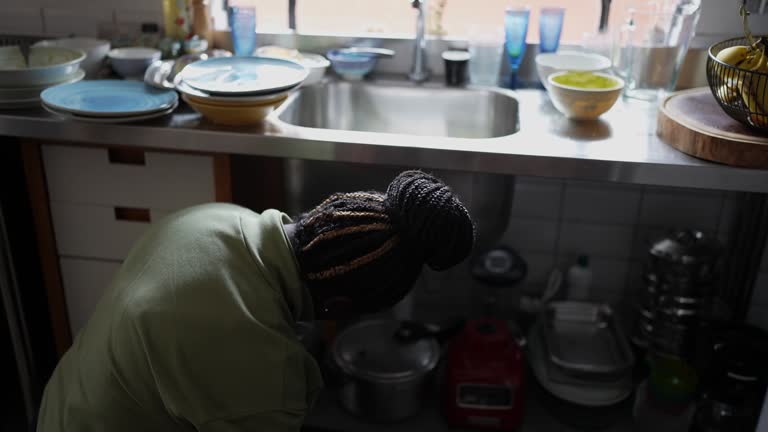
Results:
[579, 279]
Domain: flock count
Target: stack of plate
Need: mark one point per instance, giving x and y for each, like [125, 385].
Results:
[238, 91]
[109, 101]
[21, 84]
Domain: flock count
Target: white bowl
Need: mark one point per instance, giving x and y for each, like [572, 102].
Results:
[573, 61]
[316, 65]
[95, 51]
[579, 103]
[131, 62]
[48, 65]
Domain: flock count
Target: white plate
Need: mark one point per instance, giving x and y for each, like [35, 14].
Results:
[11, 94]
[185, 88]
[126, 119]
[591, 396]
[243, 75]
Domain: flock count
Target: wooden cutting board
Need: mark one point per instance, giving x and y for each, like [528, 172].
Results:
[692, 122]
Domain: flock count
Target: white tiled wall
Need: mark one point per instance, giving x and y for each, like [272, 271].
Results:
[553, 221]
[75, 17]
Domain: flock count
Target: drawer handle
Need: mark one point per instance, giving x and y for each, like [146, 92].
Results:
[126, 156]
[132, 214]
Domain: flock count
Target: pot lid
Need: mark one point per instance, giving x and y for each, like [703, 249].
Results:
[369, 349]
[687, 247]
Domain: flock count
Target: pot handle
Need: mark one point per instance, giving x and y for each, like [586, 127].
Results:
[413, 331]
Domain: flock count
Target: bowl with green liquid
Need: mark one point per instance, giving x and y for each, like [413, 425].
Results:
[584, 95]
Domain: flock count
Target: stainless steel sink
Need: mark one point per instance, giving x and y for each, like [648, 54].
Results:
[404, 109]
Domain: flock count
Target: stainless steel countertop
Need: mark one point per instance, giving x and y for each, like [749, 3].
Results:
[620, 147]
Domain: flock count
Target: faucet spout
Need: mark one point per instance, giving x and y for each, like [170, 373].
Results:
[419, 71]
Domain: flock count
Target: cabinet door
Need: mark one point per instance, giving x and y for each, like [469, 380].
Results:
[130, 178]
[84, 282]
[102, 232]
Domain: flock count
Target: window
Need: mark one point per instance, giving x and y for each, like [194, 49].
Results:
[396, 17]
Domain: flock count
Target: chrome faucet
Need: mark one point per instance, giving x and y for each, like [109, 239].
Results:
[419, 71]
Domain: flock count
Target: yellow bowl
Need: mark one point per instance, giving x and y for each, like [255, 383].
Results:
[583, 103]
[234, 115]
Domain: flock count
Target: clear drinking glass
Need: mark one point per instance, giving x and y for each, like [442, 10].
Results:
[550, 28]
[516, 31]
[486, 49]
[652, 46]
[242, 22]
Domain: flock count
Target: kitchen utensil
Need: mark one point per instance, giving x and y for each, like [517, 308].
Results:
[585, 340]
[351, 66]
[652, 45]
[108, 98]
[202, 97]
[550, 27]
[132, 62]
[455, 62]
[579, 103]
[484, 384]
[734, 382]
[516, 31]
[158, 74]
[119, 119]
[692, 122]
[24, 49]
[378, 52]
[47, 66]
[315, 63]
[585, 393]
[573, 61]
[19, 93]
[234, 115]
[95, 51]
[231, 76]
[384, 379]
[242, 21]
[486, 50]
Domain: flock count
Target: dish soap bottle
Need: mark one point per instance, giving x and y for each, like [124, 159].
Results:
[579, 279]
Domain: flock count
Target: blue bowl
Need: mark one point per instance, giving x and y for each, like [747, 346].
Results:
[351, 66]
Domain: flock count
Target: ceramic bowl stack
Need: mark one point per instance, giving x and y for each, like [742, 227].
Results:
[238, 91]
[21, 84]
[109, 101]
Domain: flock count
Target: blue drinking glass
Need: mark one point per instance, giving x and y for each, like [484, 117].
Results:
[550, 28]
[516, 31]
[242, 23]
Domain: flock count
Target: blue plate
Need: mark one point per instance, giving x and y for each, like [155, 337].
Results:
[243, 75]
[108, 98]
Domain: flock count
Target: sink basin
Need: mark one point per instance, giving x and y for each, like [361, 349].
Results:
[403, 109]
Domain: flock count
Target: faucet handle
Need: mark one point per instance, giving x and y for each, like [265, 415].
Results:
[417, 4]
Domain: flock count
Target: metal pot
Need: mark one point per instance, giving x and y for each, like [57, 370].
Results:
[383, 378]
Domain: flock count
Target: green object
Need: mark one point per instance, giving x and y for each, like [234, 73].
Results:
[585, 80]
[194, 332]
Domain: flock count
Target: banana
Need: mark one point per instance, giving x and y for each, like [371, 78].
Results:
[750, 92]
[733, 55]
[728, 93]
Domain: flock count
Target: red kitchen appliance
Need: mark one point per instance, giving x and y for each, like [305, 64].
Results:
[485, 369]
[484, 377]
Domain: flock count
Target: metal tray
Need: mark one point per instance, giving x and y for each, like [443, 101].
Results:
[586, 339]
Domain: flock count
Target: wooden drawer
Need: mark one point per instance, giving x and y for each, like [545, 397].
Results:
[128, 178]
[89, 231]
[84, 282]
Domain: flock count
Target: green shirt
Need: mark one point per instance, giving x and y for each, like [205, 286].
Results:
[194, 333]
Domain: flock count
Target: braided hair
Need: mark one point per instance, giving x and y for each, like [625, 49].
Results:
[370, 247]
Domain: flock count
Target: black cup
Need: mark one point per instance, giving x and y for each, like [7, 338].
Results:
[455, 67]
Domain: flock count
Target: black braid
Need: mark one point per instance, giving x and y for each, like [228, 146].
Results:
[370, 247]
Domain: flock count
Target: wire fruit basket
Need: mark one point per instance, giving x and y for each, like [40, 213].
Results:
[742, 93]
